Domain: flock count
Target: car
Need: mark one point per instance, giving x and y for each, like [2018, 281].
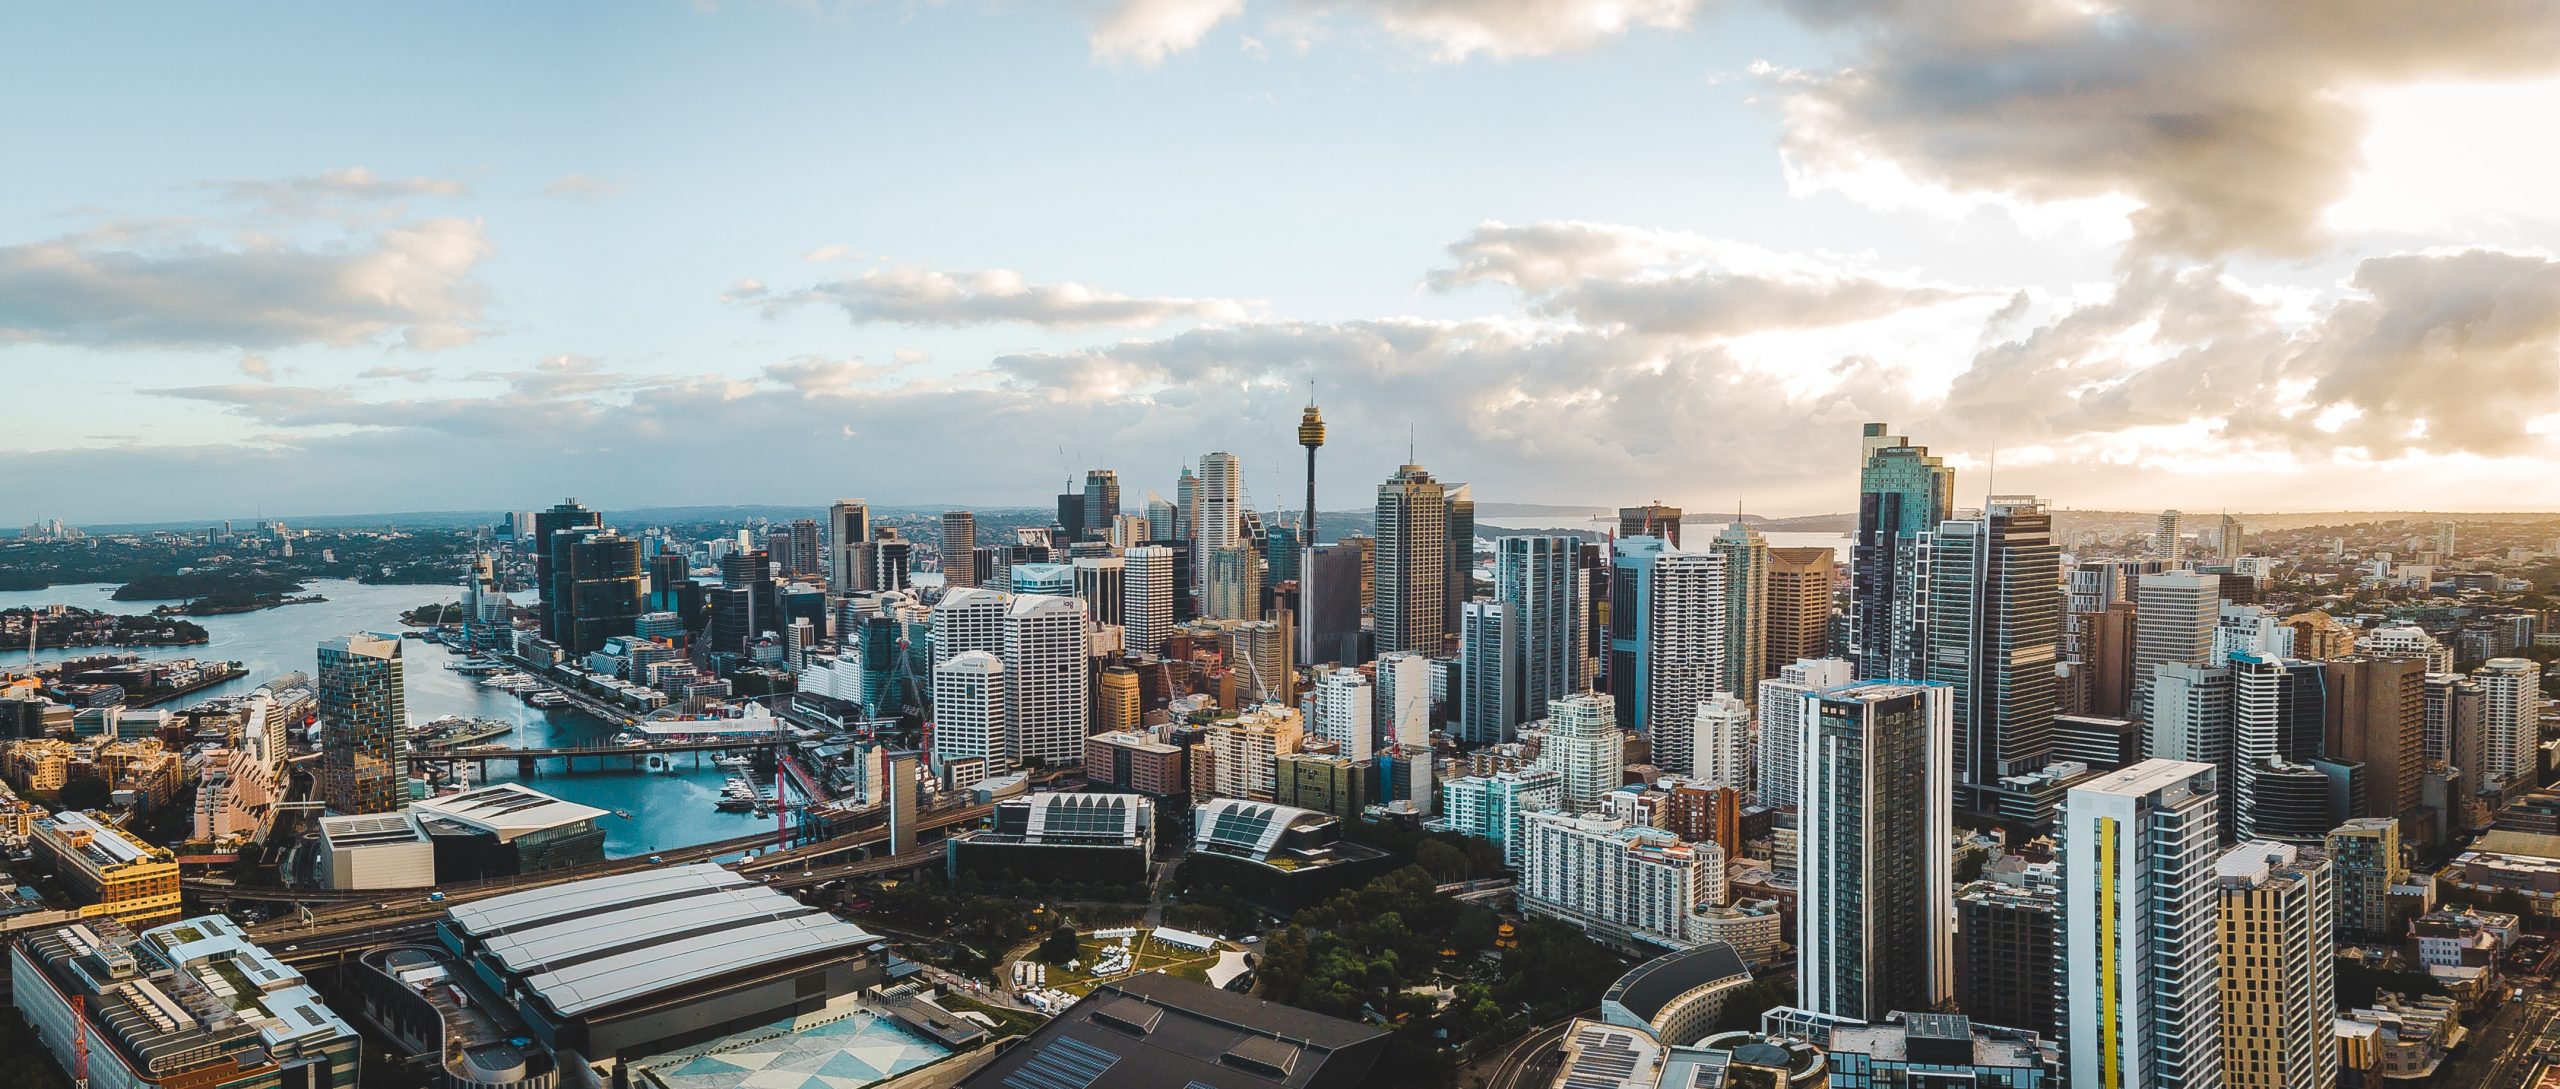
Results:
[291, 948]
[435, 898]
[657, 860]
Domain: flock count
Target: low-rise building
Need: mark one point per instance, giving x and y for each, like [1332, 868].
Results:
[1626, 885]
[111, 871]
[375, 851]
[2406, 1038]
[1156, 1032]
[1327, 782]
[1678, 996]
[1279, 855]
[507, 829]
[1141, 762]
[1937, 1049]
[1060, 837]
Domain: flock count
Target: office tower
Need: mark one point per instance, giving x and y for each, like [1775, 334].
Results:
[1118, 702]
[1346, 713]
[1782, 724]
[364, 724]
[1903, 493]
[1619, 882]
[848, 528]
[1746, 607]
[1310, 435]
[1404, 698]
[2278, 712]
[2378, 718]
[2173, 620]
[2192, 721]
[1721, 749]
[1186, 504]
[1162, 518]
[1585, 747]
[1146, 596]
[1239, 757]
[2140, 927]
[1798, 624]
[1218, 500]
[1412, 562]
[1994, 635]
[2366, 853]
[602, 588]
[743, 605]
[1102, 583]
[2166, 545]
[892, 560]
[1667, 641]
[1129, 531]
[1536, 580]
[564, 515]
[1650, 520]
[1048, 707]
[969, 712]
[2009, 968]
[1069, 525]
[1488, 646]
[1494, 807]
[1875, 879]
[1056, 579]
[967, 620]
[1259, 652]
[2455, 706]
[1234, 589]
[959, 548]
[1329, 630]
[1283, 556]
[2510, 730]
[1458, 521]
[2279, 968]
[2226, 542]
[805, 559]
[1367, 547]
[1101, 502]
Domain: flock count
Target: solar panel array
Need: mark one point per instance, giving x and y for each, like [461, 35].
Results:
[1067, 1063]
[1605, 1060]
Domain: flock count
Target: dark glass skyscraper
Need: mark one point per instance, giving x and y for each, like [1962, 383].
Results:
[567, 514]
[1101, 502]
[603, 588]
[1995, 628]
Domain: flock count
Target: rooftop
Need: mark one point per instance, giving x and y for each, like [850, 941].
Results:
[1650, 986]
[507, 810]
[1156, 1030]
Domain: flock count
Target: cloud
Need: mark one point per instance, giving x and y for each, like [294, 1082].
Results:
[255, 366]
[331, 193]
[412, 284]
[1148, 31]
[582, 187]
[832, 251]
[406, 374]
[2220, 127]
[907, 295]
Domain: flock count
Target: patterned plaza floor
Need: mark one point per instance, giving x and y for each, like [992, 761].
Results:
[849, 1053]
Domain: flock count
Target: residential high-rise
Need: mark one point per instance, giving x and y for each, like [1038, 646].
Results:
[1620, 882]
[1346, 709]
[1746, 607]
[1994, 636]
[1536, 577]
[1146, 593]
[959, 549]
[1585, 747]
[364, 724]
[2226, 542]
[1782, 724]
[2278, 709]
[601, 588]
[969, 712]
[1799, 607]
[1048, 707]
[2366, 852]
[2455, 713]
[2167, 545]
[1412, 562]
[848, 530]
[967, 620]
[1721, 749]
[1404, 698]
[1310, 435]
[1666, 641]
[2140, 927]
[1875, 873]
[1101, 502]
[2279, 968]
[2378, 718]
[564, 515]
[1489, 649]
[1102, 582]
[1329, 630]
[1218, 507]
[2009, 967]
[1234, 587]
[2173, 621]
[1259, 652]
[1496, 806]
[1903, 493]
[2510, 730]
[1650, 520]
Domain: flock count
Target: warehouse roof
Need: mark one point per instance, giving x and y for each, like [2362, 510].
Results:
[506, 810]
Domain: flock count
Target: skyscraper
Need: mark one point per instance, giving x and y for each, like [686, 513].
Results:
[2511, 736]
[1311, 436]
[1534, 579]
[1746, 607]
[2167, 544]
[1101, 502]
[743, 605]
[1458, 550]
[364, 724]
[2279, 968]
[2226, 542]
[1903, 493]
[1048, 705]
[1995, 627]
[805, 559]
[1874, 926]
[2173, 621]
[2140, 927]
[1412, 564]
[1650, 520]
[969, 711]
[1667, 639]
[1782, 723]
[564, 515]
[967, 620]
[1329, 606]
[1799, 610]
[959, 549]
[1488, 648]
[1721, 751]
[2191, 721]
[1219, 501]
[1235, 585]
[2278, 715]
[602, 588]
[848, 530]
[1585, 747]
[1102, 583]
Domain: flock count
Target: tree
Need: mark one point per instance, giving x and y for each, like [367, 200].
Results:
[1060, 946]
[83, 794]
[1445, 862]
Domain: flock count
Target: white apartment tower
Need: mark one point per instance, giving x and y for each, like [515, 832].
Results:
[1346, 713]
[2140, 926]
[967, 620]
[969, 711]
[1722, 744]
[1146, 597]
[1619, 881]
[1584, 746]
[1049, 707]
[1782, 716]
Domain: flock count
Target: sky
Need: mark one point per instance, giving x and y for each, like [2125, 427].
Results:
[2286, 255]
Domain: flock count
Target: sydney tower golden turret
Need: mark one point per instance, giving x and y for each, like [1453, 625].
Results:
[1310, 435]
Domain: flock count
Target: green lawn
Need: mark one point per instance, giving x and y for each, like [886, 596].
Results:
[1151, 956]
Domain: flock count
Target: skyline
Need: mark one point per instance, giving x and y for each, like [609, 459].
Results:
[1588, 253]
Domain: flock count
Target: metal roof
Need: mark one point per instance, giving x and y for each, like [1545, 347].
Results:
[591, 944]
[507, 810]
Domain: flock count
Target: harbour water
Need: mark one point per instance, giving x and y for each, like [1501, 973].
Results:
[667, 810]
